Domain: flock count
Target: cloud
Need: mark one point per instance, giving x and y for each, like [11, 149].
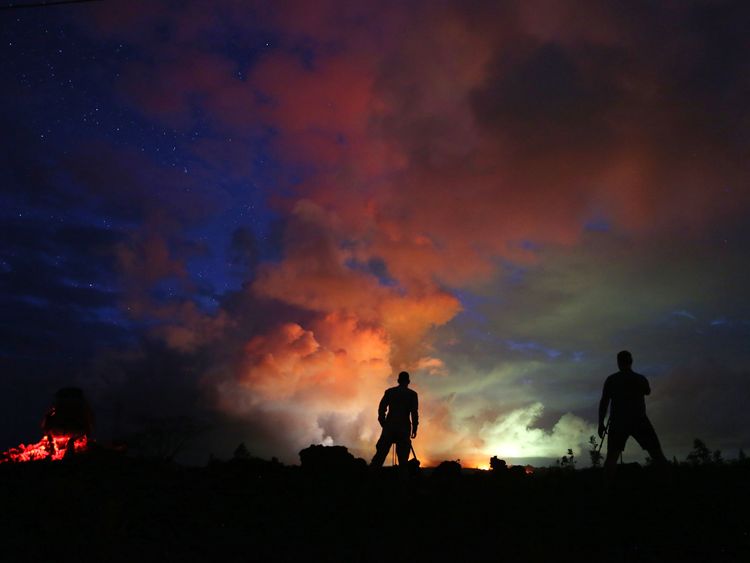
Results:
[321, 380]
[433, 366]
[315, 275]
[436, 171]
[512, 435]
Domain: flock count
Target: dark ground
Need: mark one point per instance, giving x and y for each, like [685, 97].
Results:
[113, 508]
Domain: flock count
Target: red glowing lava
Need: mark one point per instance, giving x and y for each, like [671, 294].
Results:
[53, 448]
[66, 427]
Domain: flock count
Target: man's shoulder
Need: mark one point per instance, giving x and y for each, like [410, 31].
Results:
[640, 376]
[624, 376]
[398, 389]
[612, 377]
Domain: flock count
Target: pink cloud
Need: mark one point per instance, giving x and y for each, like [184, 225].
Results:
[438, 142]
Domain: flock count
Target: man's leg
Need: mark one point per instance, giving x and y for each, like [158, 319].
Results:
[615, 445]
[381, 448]
[403, 447]
[646, 437]
[610, 462]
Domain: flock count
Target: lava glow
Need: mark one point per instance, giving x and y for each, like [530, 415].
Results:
[51, 447]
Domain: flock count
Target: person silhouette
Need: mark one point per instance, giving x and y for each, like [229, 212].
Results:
[626, 390]
[396, 407]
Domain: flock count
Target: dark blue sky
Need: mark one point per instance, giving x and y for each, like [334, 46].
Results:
[84, 170]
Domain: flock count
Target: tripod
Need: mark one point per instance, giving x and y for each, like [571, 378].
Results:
[394, 458]
[606, 429]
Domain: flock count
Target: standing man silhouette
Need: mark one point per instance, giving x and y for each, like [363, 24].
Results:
[397, 405]
[626, 391]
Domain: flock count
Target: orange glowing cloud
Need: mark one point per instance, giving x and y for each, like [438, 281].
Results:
[435, 144]
[331, 363]
[320, 379]
[315, 275]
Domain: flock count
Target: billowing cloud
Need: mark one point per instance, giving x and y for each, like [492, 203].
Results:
[322, 379]
[495, 196]
[513, 434]
[435, 163]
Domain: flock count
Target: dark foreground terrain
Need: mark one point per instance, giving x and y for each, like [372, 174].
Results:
[112, 508]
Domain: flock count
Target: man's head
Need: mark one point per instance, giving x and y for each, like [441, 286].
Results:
[624, 360]
[403, 378]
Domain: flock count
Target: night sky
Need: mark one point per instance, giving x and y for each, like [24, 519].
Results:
[254, 214]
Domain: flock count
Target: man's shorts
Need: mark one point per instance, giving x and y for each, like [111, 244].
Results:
[640, 429]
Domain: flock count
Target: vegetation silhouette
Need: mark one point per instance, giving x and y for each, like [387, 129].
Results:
[498, 465]
[595, 454]
[106, 507]
[568, 461]
[331, 462]
[447, 471]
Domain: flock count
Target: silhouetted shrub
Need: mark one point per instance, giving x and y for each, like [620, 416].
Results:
[241, 452]
[447, 470]
[517, 471]
[330, 460]
[594, 452]
[700, 454]
[567, 462]
[498, 465]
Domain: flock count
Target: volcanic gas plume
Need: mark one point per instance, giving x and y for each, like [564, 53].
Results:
[269, 209]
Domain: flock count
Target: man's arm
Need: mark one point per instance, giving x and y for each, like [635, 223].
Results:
[646, 387]
[381, 408]
[415, 416]
[603, 405]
